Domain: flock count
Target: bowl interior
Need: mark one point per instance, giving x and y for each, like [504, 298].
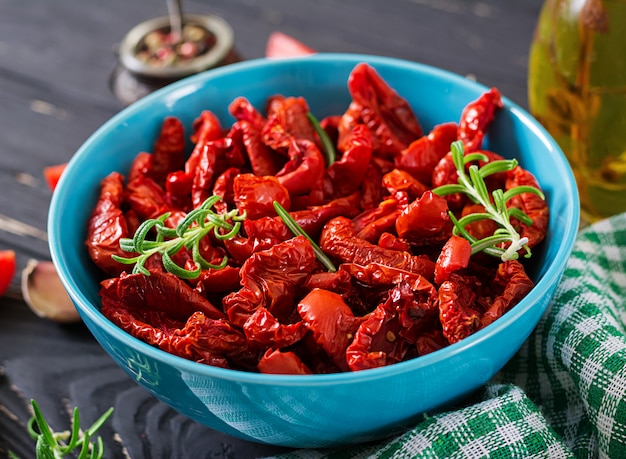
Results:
[436, 97]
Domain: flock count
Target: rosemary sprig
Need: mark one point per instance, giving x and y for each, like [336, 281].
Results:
[327, 144]
[54, 445]
[196, 225]
[298, 231]
[473, 185]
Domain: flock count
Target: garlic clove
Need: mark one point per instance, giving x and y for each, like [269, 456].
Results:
[44, 293]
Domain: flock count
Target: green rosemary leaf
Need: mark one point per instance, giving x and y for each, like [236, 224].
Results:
[231, 234]
[43, 450]
[142, 232]
[173, 268]
[471, 157]
[506, 242]
[84, 450]
[523, 189]
[127, 245]
[188, 234]
[327, 144]
[164, 231]
[51, 445]
[500, 165]
[42, 425]
[452, 188]
[298, 231]
[520, 215]
[75, 434]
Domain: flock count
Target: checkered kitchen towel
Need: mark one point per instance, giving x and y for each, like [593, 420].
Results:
[563, 395]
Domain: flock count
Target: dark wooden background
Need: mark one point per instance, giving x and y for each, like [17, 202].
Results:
[55, 61]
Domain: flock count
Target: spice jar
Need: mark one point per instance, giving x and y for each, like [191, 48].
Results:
[577, 90]
[149, 59]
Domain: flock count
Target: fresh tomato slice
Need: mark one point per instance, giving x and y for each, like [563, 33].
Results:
[7, 269]
[52, 174]
[454, 255]
[283, 45]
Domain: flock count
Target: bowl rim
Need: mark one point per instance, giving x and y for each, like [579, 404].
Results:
[551, 276]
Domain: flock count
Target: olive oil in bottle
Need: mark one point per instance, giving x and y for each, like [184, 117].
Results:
[577, 90]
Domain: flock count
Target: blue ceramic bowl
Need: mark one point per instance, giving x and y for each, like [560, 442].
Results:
[317, 410]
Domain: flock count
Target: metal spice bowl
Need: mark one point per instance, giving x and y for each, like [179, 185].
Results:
[209, 42]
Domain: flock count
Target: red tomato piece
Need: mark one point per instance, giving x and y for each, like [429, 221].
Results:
[283, 363]
[282, 45]
[52, 174]
[7, 269]
[454, 255]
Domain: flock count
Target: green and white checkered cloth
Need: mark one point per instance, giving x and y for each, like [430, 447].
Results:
[564, 393]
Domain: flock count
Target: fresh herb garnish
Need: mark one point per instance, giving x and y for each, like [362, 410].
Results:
[196, 225]
[473, 185]
[327, 144]
[298, 231]
[53, 445]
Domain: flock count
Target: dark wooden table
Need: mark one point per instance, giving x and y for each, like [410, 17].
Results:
[55, 62]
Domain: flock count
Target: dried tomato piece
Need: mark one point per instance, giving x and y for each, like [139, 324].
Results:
[256, 195]
[476, 118]
[371, 223]
[282, 363]
[340, 241]
[430, 341]
[263, 330]
[414, 298]
[535, 207]
[263, 160]
[146, 197]
[426, 218]
[160, 291]
[270, 279]
[348, 172]
[107, 225]
[211, 162]
[445, 173]
[332, 322]
[421, 156]
[304, 171]
[388, 116]
[454, 255]
[218, 280]
[359, 355]
[242, 110]
[513, 284]
[178, 187]
[399, 181]
[287, 121]
[206, 128]
[168, 154]
[457, 309]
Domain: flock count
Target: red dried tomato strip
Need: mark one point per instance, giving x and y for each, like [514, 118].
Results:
[270, 279]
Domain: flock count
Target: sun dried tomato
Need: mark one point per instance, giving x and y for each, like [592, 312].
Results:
[457, 298]
[168, 154]
[262, 329]
[282, 363]
[454, 255]
[388, 116]
[422, 155]
[270, 279]
[348, 172]
[107, 225]
[256, 195]
[339, 240]
[332, 322]
[512, 284]
[425, 219]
